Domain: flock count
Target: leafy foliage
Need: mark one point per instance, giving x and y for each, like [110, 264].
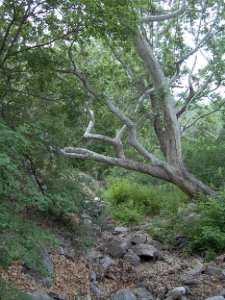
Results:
[132, 201]
[200, 224]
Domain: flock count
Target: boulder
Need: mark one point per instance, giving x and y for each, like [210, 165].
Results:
[144, 251]
[124, 294]
[116, 248]
[139, 238]
[177, 292]
[211, 270]
[132, 258]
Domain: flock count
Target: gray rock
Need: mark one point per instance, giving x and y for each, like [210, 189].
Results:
[106, 261]
[39, 295]
[60, 250]
[47, 282]
[143, 294]
[139, 238]
[92, 277]
[211, 270]
[222, 274]
[132, 258]
[144, 251]
[197, 270]
[115, 248]
[96, 289]
[216, 298]
[191, 282]
[124, 294]
[121, 229]
[177, 292]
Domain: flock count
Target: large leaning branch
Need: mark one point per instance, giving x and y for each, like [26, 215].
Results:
[120, 162]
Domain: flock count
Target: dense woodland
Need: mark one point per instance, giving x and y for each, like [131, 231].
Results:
[130, 93]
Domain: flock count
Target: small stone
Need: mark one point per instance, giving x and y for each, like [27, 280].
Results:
[178, 292]
[124, 294]
[222, 274]
[96, 289]
[191, 282]
[197, 270]
[106, 261]
[121, 229]
[92, 277]
[60, 250]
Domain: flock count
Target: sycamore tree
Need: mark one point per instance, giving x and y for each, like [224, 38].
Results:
[169, 39]
[134, 67]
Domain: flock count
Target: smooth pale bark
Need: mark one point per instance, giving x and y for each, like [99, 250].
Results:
[165, 123]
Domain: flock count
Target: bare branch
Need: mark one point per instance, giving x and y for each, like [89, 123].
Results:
[191, 95]
[187, 126]
[203, 40]
[120, 162]
[131, 126]
[165, 17]
[115, 142]
[142, 98]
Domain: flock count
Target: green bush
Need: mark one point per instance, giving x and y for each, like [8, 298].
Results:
[206, 232]
[203, 226]
[132, 201]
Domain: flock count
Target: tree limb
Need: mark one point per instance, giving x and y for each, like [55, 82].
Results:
[120, 162]
[165, 17]
[201, 117]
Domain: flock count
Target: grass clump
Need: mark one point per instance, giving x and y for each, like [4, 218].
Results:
[11, 292]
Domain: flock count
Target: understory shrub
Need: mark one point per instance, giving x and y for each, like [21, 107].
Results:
[132, 201]
[202, 227]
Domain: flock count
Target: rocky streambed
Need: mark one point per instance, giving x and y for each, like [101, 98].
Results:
[124, 264]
